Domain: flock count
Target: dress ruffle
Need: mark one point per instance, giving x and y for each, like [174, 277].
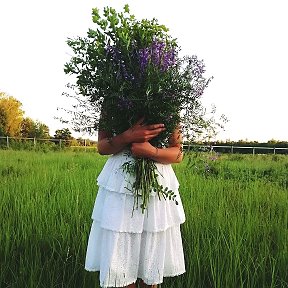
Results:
[114, 211]
[121, 258]
[125, 246]
[113, 178]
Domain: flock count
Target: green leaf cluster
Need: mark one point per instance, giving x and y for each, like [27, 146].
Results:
[101, 82]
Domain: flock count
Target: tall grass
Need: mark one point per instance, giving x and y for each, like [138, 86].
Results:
[235, 235]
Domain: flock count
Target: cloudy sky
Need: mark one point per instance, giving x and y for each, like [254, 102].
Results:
[243, 44]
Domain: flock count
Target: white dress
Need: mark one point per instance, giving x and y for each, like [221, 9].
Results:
[125, 247]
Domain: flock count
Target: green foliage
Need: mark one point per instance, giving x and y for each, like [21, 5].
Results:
[27, 128]
[3, 121]
[64, 134]
[12, 122]
[133, 66]
[41, 130]
[269, 168]
[97, 78]
[34, 129]
[11, 115]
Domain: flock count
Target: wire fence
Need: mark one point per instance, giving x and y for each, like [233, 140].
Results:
[84, 144]
[237, 149]
[7, 142]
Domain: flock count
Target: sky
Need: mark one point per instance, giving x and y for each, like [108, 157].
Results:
[242, 43]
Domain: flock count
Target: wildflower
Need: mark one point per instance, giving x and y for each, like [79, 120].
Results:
[143, 58]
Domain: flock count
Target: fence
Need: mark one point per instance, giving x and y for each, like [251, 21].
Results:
[5, 143]
[238, 149]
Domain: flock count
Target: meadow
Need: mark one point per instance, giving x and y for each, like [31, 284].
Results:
[235, 235]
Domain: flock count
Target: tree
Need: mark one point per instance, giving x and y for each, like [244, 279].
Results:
[64, 134]
[34, 129]
[3, 121]
[41, 130]
[11, 115]
[27, 128]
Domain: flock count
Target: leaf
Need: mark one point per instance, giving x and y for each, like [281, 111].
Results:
[91, 33]
[126, 8]
[95, 12]
[95, 15]
[95, 18]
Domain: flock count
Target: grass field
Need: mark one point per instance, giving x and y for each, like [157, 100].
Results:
[235, 235]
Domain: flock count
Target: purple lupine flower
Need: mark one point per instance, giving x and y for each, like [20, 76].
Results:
[168, 59]
[144, 58]
[158, 54]
[157, 51]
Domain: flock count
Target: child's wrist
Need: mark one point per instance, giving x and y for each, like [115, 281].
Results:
[125, 137]
[154, 152]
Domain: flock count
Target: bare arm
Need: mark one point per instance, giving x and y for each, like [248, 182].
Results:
[110, 145]
[138, 133]
[172, 154]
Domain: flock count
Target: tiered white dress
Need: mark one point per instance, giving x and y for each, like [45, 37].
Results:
[124, 247]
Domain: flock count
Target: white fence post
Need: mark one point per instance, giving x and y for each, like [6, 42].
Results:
[7, 141]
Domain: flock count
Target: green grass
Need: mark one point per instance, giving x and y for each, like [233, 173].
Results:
[235, 235]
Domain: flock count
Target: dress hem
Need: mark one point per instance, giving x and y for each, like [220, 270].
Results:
[149, 283]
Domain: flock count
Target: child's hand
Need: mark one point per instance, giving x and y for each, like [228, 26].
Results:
[141, 132]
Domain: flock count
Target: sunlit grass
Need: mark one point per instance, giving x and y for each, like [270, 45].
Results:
[235, 235]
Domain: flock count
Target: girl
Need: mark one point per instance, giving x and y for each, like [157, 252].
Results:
[136, 247]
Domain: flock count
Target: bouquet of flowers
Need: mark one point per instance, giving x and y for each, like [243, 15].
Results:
[127, 69]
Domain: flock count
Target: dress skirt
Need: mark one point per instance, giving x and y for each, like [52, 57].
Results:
[124, 244]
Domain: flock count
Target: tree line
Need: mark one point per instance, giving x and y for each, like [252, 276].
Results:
[14, 124]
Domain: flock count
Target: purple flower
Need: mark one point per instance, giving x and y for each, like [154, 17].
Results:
[159, 55]
[156, 52]
[144, 58]
[168, 59]
[213, 158]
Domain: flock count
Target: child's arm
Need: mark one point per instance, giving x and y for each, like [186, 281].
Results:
[138, 133]
[172, 154]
